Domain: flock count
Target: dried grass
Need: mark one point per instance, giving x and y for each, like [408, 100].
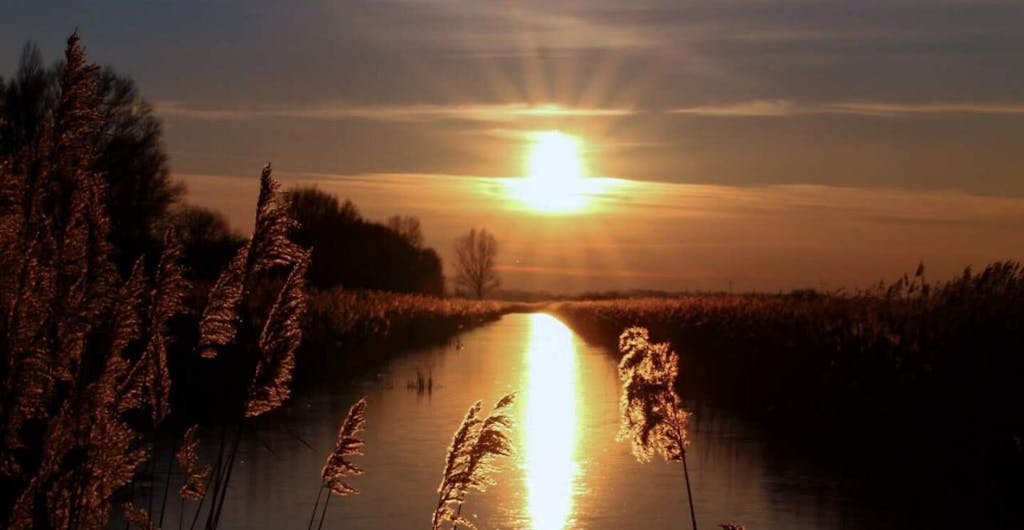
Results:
[468, 464]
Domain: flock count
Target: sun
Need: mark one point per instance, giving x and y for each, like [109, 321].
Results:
[556, 178]
[555, 157]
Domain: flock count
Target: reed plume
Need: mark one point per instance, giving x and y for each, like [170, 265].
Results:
[218, 325]
[149, 379]
[468, 465]
[187, 456]
[256, 351]
[281, 335]
[653, 419]
[338, 466]
[268, 248]
[134, 515]
[82, 349]
[56, 246]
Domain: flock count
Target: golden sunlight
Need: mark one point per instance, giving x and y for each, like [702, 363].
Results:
[550, 423]
[556, 178]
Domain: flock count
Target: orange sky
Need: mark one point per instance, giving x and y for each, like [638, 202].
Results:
[679, 236]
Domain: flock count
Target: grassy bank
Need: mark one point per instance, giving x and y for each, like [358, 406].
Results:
[344, 331]
[907, 369]
[342, 327]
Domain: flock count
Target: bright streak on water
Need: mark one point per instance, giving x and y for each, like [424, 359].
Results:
[550, 423]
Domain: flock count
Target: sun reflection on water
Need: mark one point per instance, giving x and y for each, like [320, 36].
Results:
[550, 424]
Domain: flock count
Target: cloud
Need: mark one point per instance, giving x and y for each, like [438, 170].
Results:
[502, 112]
[512, 112]
[786, 108]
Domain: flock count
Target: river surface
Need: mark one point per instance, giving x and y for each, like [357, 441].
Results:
[568, 470]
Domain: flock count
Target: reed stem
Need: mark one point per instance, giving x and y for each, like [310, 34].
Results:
[323, 513]
[689, 493]
[167, 480]
[215, 509]
[316, 504]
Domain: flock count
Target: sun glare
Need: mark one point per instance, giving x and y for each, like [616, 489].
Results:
[555, 157]
[556, 177]
[550, 424]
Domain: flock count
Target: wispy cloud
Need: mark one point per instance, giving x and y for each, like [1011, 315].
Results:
[510, 112]
[785, 108]
[398, 113]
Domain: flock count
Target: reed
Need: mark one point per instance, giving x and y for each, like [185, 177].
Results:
[335, 473]
[349, 317]
[84, 350]
[468, 464]
[196, 475]
[653, 419]
[257, 359]
[424, 382]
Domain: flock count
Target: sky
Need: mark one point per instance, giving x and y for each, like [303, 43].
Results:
[773, 144]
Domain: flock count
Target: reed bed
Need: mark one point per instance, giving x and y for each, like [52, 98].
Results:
[899, 368]
[343, 325]
[371, 313]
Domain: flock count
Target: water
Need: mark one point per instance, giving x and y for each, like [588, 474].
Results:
[568, 471]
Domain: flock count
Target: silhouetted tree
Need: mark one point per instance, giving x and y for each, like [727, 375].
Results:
[475, 254]
[208, 242]
[408, 227]
[125, 144]
[25, 101]
[355, 253]
[131, 158]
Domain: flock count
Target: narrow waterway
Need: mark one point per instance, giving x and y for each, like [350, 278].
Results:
[568, 470]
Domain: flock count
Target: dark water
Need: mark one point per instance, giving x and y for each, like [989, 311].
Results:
[568, 471]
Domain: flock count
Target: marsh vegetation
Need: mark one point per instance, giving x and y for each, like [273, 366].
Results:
[898, 375]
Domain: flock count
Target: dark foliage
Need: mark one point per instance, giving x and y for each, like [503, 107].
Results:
[354, 253]
[897, 375]
[132, 160]
[26, 99]
[208, 241]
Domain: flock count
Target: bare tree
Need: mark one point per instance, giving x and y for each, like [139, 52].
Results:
[408, 227]
[475, 254]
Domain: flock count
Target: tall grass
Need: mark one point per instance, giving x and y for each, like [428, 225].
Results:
[350, 316]
[258, 349]
[84, 380]
[653, 418]
[344, 327]
[903, 358]
[468, 464]
[335, 473]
